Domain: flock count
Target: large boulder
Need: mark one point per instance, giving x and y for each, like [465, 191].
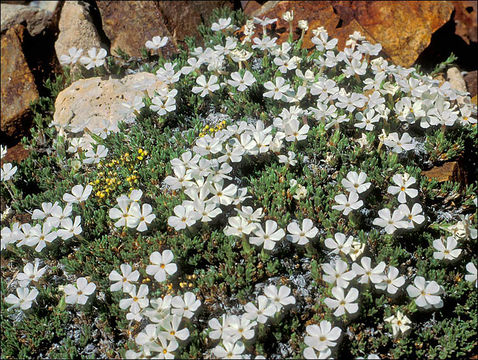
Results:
[18, 87]
[403, 28]
[129, 24]
[36, 19]
[76, 29]
[90, 102]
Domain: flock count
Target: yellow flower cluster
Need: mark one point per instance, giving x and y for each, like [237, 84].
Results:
[188, 284]
[110, 176]
[212, 130]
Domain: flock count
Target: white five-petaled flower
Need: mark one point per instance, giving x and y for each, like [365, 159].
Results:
[340, 245]
[264, 310]
[78, 194]
[186, 305]
[221, 24]
[427, 293]
[391, 282]
[23, 299]
[279, 297]
[277, 90]
[185, 216]
[347, 204]
[403, 189]
[241, 82]
[269, 237]
[69, 228]
[400, 323]
[31, 272]
[156, 42]
[338, 273]
[301, 236]
[73, 56]
[141, 215]
[413, 216]
[162, 265]
[79, 294]
[343, 303]
[356, 182]
[205, 87]
[390, 222]
[94, 59]
[229, 350]
[138, 299]
[448, 251]
[367, 273]
[7, 171]
[322, 336]
[125, 279]
[471, 276]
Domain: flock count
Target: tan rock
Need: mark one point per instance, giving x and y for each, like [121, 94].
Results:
[36, 19]
[76, 29]
[18, 87]
[90, 102]
[455, 79]
[449, 171]
[130, 33]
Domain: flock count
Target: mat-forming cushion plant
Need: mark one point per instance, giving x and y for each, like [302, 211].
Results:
[265, 201]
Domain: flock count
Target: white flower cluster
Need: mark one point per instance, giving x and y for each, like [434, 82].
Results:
[7, 170]
[234, 330]
[130, 213]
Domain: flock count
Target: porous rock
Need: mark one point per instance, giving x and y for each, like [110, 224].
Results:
[76, 29]
[90, 102]
[18, 87]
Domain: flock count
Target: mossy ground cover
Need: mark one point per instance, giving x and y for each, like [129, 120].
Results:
[225, 272]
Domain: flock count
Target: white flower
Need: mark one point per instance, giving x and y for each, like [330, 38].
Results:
[94, 157]
[205, 87]
[309, 353]
[73, 55]
[241, 83]
[276, 90]
[289, 159]
[94, 58]
[366, 272]
[122, 214]
[7, 171]
[288, 16]
[403, 183]
[343, 303]
[185, 216]
[471, 276]
[413, 216]
[163, 106]
[79, 294]
[24, 299]
[229, 350]
[40, 235]
[356, 182]
[124, 281]
[279, 297]
[185, 306]
[142, 216]
[165, 350]
[448, 251]
[218, 327]
[322, 336]
[162, 265]
[391, 281]
[221, 24]
[69, 228]
[137, 301]
[239, 327]
[341, 244]
[292, 131]
[269, 237]
[262, 312]
[31, 272]
[390, 222]
[347, 205]
[427, 293]
[405, 143]
[400, 323]
[338, 273]
[170, 328]
[157, 42]
[301, 236]
[78, 194]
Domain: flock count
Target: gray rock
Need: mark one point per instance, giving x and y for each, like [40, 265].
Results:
[36, 19]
